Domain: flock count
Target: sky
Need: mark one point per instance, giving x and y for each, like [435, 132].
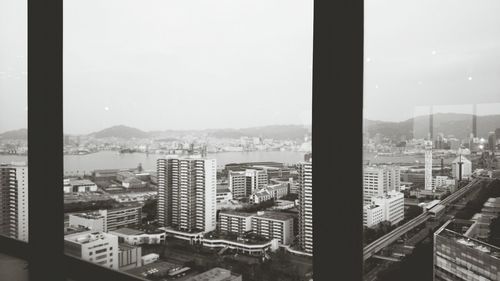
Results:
[194, 64]
[187, 64]
[420, 53]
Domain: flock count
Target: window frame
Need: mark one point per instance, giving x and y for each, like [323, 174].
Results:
[337, 70]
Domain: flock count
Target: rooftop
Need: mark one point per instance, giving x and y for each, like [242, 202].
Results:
[87, 237]
[216, 273]
[236, 213]
[89, 215]
[274, 215]
[128, 231]
[81, 182]
[155, 267]
[456, 229]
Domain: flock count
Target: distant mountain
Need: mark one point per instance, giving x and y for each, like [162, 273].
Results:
[21, 134]
[121, 131]
[280, 132]
[458, 125]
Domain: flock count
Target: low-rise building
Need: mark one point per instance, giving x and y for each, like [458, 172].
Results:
[97, 247]
[392, 204]
[138, 237]
[78, 185]
[459, 255]
[224, 195]
[372, 215]
[274, 225]
[269, 192]
[95, 221]
[129, 256]
[108, 219]
[235, 222]
[127, 215]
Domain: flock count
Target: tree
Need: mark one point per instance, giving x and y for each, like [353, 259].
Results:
[150, 208]
[494, 235]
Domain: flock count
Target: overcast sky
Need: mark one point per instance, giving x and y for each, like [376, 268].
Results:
[195, 64]
[426, 52]
[187, 64]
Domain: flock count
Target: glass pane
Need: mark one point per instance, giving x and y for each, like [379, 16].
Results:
[13, 120]
[13, 268]
[431, 131]
[188, 137]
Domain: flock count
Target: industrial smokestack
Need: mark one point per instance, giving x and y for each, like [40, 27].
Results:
[431, 124]
[474, 121]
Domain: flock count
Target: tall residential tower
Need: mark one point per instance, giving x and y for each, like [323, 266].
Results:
[305, 207]
[14, 200]
[187, 193]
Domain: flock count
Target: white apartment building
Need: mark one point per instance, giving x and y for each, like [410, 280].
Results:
[97, 247]
[187, 193]
[244, 183]
[305, 207]
[236, 222]
[372, 215]
[378, 180]
[274, 225]
[14, 201]
[392, 205]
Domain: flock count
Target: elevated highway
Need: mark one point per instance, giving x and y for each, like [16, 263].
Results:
[384, 241]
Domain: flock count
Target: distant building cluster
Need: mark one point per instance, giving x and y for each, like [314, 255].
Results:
[188, 193]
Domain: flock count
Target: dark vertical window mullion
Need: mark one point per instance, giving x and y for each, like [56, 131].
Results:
[337, 138]
[45, 140]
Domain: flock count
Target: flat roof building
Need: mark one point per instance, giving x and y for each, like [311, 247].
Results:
[378, 180]
[274, 225]
[392, 205]
[97, 247]
[138, 237]
[372, 215]
[458, 255]
[235, 222]
[129, 256]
